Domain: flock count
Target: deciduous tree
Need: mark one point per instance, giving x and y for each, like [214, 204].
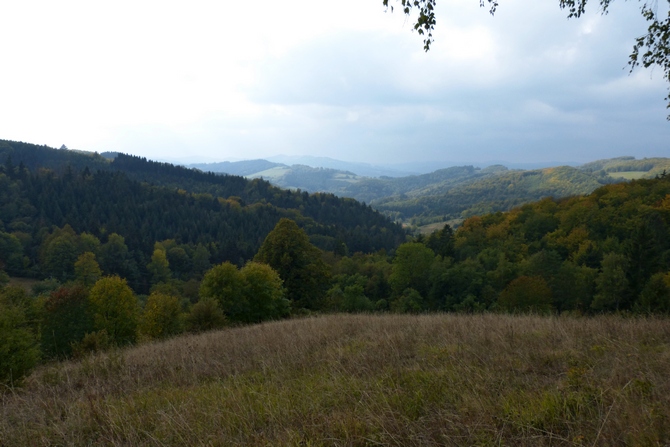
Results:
[288, 251]
[526, 294]
[161, 316]
[67, 319]
[115, 309]
[86, 269]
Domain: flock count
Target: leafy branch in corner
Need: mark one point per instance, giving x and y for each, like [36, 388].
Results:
[653, 48]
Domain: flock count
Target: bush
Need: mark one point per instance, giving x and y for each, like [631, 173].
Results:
[161, 316]
[205, 315]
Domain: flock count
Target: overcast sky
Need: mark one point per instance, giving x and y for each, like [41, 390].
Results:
[222, 80]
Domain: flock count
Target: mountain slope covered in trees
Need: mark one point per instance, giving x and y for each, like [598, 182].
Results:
[499, 191]
[43, 190]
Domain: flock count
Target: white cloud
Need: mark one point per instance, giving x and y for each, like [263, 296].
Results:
[230, 79]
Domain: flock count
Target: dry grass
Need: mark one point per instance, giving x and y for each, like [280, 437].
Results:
[363, 380]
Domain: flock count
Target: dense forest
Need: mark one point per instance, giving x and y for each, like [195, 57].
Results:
[144, 202]
[121, 259]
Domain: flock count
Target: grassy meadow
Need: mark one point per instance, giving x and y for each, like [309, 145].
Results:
[361, 380]
[628, 175]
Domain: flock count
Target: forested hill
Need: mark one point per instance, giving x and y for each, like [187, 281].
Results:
[144, 202]
[499, 192]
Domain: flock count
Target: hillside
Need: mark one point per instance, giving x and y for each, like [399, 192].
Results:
[362, 380]
[452, 194]
[646, 167]
[500, 190]
[145, 202]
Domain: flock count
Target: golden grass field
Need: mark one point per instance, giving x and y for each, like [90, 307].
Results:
[361, 380]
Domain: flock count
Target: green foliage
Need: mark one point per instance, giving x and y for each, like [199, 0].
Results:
[60, 255]
[442, 242]
[348, 294]
[201, 260]
[611, 283]
[67, 319]
[92, 342]
[19, 348]
[411, 268]
[115, 309]
[45, 287]
[205, 315]
[130, 203]
[11, 252]
[655, 297]
[488, 191]
[573, 287]
[86, 269]
[263, 293]
[249, 295]
[526, 294]
[410, 301]
[159, 267]
[288, 251]
[4, 279]
[114, 256]
[224, 284]
[161, 317]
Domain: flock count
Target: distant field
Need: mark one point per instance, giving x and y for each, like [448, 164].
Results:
[430, 228]
[628, 175]
[272, 174]
[357, 380]
[25, 283]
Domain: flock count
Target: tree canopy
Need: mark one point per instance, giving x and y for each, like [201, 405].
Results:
[650, 49]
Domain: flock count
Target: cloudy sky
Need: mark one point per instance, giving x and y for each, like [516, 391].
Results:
[222, 80]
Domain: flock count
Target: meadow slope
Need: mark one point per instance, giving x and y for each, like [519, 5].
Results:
[442, 379]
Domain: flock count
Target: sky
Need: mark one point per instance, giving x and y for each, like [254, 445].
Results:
[221, 80]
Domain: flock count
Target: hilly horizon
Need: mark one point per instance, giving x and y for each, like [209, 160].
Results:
[448, 194]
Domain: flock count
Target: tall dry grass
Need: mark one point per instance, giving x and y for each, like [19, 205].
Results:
[363, 380]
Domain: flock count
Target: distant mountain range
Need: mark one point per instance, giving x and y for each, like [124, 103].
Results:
[243, 167]
[445, 194]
